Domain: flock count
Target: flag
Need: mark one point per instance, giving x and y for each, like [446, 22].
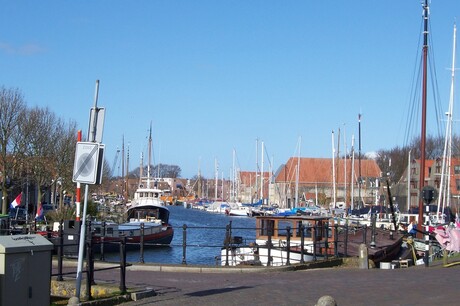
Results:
[16, 201]
[39, 211]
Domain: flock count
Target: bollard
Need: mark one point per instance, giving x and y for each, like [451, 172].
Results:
[363, 261]
[326, 300]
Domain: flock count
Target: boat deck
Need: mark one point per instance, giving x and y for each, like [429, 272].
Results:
[387, 243]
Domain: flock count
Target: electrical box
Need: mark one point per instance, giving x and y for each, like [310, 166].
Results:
[25, 270]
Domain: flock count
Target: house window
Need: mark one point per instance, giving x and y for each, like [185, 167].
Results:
[438, 165]
[437, 183]
[414, 170]
[457, 169]
[429, 171]
[458, 184]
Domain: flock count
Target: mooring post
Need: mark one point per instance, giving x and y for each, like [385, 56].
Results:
[363, 261]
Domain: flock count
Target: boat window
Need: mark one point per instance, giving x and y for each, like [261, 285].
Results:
[282, 228]
[306, 227]
[267, 227]
[97, 230]
[110, 231]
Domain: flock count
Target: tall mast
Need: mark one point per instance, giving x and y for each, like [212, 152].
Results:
[333, 172]
[257, 168]
[216, 168]
[150, 156]
[408, 180]
[424, 99]
[444, 188]
[123, 166]
[352, 172]
[141, 169]
[199, 179]
[359, 161]
[262, 171]
[127, 174]
[345, 166]
[297, 176]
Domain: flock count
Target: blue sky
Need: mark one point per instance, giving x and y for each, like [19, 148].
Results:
[214, 76]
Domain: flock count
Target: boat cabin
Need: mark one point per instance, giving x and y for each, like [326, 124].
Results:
[276, 228]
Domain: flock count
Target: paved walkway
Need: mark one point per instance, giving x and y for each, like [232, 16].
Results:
[418, 285]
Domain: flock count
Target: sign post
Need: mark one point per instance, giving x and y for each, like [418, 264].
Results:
[89, 157]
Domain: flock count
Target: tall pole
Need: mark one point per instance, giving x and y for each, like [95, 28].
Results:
[297, 176]
[77, 195]
[424, 100]
[408, 181]
[262, 171]
[85, 205]
[359, 161]
[333, 172]
[352, 172]
[345, 166]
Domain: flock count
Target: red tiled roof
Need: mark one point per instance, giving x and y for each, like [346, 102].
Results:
[319, 170]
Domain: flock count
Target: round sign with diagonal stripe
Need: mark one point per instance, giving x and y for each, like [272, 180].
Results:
[85, 164]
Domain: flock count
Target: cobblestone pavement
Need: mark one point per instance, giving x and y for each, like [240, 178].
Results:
[349, 286]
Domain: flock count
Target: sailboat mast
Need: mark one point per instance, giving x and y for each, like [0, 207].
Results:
[297, 176]
[150, 156]
[408, 181]
[216, 168]
[345, 160]
[352, 172]
[424, 100]
[359, 161]
[444, 188]
[333, 171]
[123, 166]
[262, 171]
[141, 169]
[127, 174]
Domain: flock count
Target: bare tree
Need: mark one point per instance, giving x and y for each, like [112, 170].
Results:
[64, 145]
[41, 151]
[12, 108]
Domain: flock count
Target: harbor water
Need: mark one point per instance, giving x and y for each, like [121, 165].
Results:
[204, 236]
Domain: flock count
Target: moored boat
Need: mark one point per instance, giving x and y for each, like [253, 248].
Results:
[147, 217]
[280, 241]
